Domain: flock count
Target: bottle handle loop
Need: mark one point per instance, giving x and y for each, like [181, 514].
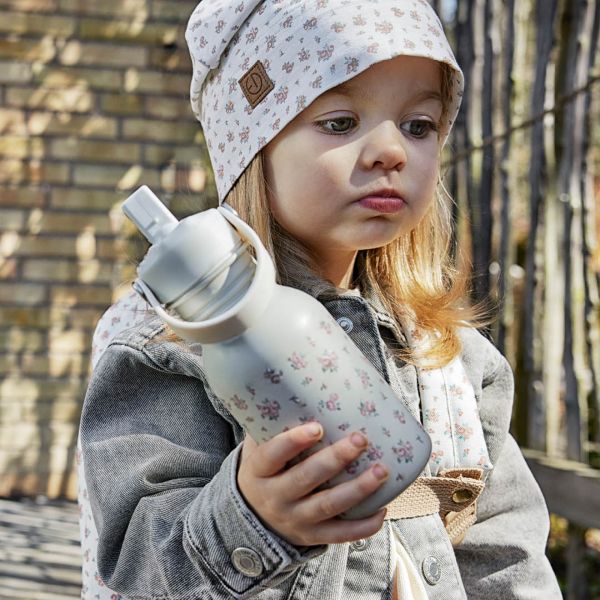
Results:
[238, 318]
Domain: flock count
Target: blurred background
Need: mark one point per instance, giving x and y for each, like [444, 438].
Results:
[94, 103]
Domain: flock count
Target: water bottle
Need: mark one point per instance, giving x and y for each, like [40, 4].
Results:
[272, 354]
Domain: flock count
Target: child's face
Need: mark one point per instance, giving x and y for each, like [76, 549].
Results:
[328, 168]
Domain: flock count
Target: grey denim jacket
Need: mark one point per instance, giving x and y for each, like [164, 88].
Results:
[161, 454]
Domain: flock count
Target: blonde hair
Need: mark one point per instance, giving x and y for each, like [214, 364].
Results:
[414, 275]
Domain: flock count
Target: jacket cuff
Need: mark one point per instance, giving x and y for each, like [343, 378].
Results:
[223, 533]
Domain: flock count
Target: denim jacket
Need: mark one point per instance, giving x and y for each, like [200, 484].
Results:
[161, 454]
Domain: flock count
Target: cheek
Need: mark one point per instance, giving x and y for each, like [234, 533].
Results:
[429, 171]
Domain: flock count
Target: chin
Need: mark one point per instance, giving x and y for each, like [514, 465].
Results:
[376, 242]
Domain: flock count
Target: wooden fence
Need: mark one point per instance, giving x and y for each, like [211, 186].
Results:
[523, 168]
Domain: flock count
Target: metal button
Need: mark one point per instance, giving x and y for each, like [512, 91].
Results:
[247, 562]
[462, 495]
[359, 545]
[346, 324]
[431, 570]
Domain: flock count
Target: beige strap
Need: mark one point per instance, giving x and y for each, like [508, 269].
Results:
[453, 495]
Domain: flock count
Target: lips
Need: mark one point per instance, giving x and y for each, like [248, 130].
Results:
[384, 201]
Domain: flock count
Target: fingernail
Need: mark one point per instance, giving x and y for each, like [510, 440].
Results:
[380, 471]
[313, 429]
[358, 439]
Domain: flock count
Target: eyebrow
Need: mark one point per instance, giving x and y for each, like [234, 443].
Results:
[350, 89]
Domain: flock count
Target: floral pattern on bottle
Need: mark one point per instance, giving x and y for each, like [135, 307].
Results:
[367, 408]
[328, 361]
[331, 404]
[238, 402]
[269, 409]
[297, 361]
[364, 378]
[404, 451]
[273, 375]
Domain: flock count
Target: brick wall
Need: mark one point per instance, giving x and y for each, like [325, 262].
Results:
[93, 103]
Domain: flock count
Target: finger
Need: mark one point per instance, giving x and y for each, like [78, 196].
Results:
[332, 502]
[272, 456]
[303, 478]
[338, 531]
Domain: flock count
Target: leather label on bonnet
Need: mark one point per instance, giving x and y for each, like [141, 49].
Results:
[256, 84]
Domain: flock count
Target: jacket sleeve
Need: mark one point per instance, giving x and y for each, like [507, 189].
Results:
[503, 553]
[160, 466]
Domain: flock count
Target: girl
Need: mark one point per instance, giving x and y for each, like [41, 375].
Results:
[324, 121]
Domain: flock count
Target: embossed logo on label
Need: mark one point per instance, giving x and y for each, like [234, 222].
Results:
[256, 84]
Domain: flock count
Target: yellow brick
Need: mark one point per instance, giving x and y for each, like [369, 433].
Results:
[56, 365]
[39, 412]
[101, 54]
[26, 196]
[21, 147]
[34, 246]
[12, 220]
[80, 295]
[15, 72]
[12, 121]
[19, 388]
[34, 364]
[8, 268]
[19, 339]
[54, 389]
[24, 317]
[66, 271]
[130, 30]
[45, 123]
[175, 60]
[27, 435]
[28, 50]
[70, 222]
[30, 5]
[17, 433]
[26, 294]
[85, 318]
[8, 364]
[122, 178]
[73, 98]
[31, 23]
[168, 9]
[93, 151]
[62, 78]
[163, 155]
[122, 104]
[133, 8]
[120, 249]
[163, 131]
[159, 83]
[33, 171]
[31, 484]
[85, 198]
[170, 108]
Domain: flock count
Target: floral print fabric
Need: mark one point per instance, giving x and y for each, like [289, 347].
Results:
[450, 414]
[303, 48]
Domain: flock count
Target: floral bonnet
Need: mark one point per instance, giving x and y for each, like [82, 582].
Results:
[258, 63]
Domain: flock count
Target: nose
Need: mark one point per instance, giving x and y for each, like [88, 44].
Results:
[384, 148]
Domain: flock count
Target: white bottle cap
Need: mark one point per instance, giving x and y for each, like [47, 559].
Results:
[149, 214]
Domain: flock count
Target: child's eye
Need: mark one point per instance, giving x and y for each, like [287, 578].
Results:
[419, 128]
[338, 125]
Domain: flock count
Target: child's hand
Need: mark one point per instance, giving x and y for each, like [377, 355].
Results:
[285, 499]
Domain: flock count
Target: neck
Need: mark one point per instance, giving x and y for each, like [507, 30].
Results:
[338, 268]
